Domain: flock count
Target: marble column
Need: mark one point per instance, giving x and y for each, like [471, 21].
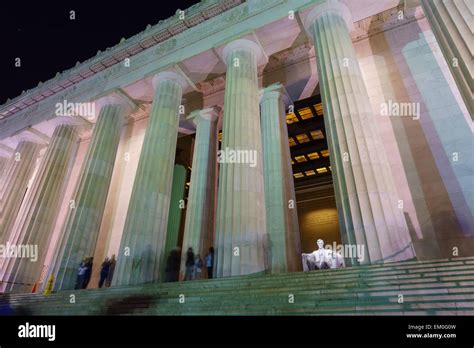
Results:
[199, 225]
[16, 181]
[6, 159]
[81, 228]
[36, 224]
[175, 212]
[241, 226]
[447, 124]
[3, 166]
[451, 22]
[284, 249]
[144, 234]
[5, 156]
[363, 183]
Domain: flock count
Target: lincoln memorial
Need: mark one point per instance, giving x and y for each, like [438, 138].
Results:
[255, 128]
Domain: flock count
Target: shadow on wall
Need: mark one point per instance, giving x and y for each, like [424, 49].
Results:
[298, 78]
[425, 164]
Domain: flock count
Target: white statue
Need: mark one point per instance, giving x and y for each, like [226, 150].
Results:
[322, 258]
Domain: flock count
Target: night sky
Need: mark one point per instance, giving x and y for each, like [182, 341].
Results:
[46, 40]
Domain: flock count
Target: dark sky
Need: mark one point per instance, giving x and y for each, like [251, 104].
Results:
[47, 41]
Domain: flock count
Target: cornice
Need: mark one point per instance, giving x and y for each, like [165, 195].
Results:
[126, 48]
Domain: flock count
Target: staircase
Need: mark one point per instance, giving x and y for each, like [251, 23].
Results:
[440, 287]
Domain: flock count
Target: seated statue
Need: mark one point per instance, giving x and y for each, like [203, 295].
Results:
[322, 259]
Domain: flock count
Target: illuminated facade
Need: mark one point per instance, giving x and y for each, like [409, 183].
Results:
[350, 120]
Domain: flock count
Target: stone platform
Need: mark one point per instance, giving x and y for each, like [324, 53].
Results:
[440, 287]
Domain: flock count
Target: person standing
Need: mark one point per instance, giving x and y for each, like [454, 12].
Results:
[88, 273]
[81, 275]
[104, 271]
[198, 267]
[210, 262]
[111, 271]
[189, 265]
[172, 266]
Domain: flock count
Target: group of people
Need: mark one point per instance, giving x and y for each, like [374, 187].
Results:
[85, 271]
[194, 265]
[194, 268]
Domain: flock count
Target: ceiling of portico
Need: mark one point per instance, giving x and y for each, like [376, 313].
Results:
[291, 55]
[361, 9]
[283, 42]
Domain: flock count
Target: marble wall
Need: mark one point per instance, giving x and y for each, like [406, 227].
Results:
[435, 212]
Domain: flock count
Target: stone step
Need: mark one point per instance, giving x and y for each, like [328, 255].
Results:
[428, 286]
[335, 277]
[304, 298]
[320, 289]
[59, 301]
[265, 308]
[436, 276]
[331, 273]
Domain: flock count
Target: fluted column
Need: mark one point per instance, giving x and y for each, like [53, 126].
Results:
[363, 182]
[15, 183]
[240, 226]
[144, 234]
[451, 22]
[199, 225]
[445, 120]
[175, 212]
[282, 218]
[81, 228]
[36, 224]
[4, 163]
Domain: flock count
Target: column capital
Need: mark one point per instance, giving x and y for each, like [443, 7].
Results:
[78, 122]
[6, 151]
[26, 134]
[116, 97]
[169, 75]
[274, 91]
[31, 135]
[329, 6]
[245, 44]
[210, 114]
